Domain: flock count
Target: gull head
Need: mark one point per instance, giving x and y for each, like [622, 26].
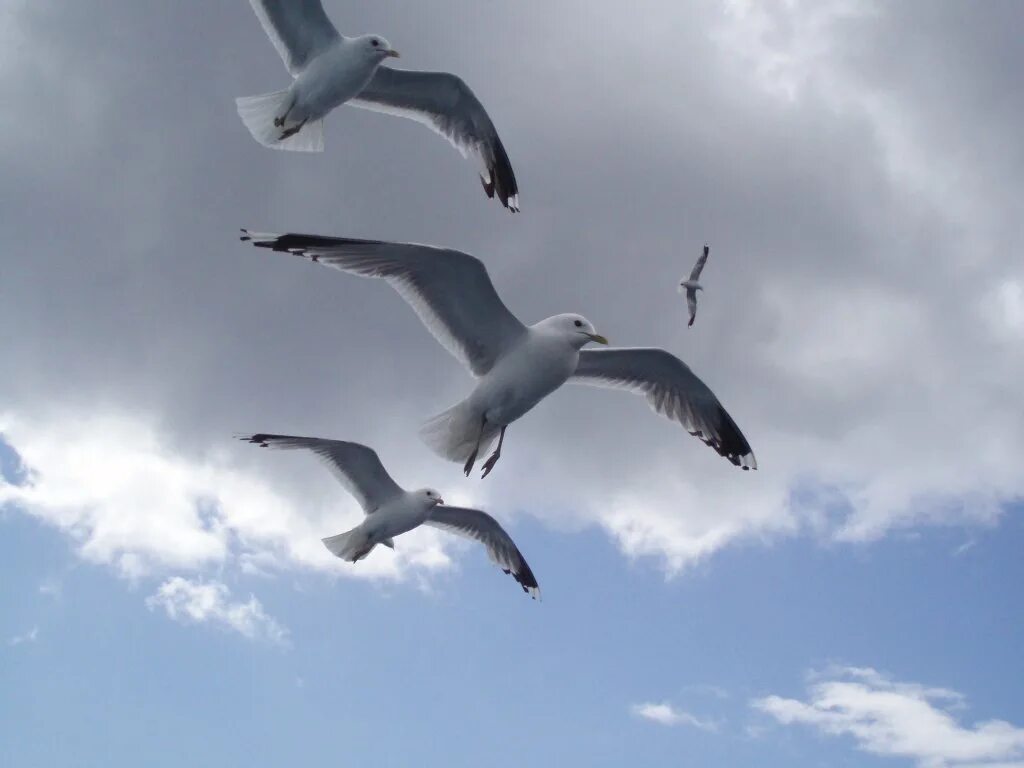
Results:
[376, 48]
[575, 329]
[429, 496]
[686, 285]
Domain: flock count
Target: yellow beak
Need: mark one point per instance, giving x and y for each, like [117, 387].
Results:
[598, 338]
[394, 54]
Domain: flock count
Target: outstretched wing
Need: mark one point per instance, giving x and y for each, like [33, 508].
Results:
[701, 261]
[691, 303]
[477, 525]
[356, 466]
[299, 29]
[672, 390]
[443, 102]
[449, 290]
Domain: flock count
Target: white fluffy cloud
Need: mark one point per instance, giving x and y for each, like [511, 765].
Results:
[877, 392]
[891, 718]
[28, 637]
[666, 714]
[198, 602]
[130, 500]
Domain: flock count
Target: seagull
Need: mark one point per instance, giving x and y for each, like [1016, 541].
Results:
[392, 511]
[691, 286]
[517, 366]
[330, 69]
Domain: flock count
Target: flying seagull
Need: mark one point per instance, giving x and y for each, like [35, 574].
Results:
[330, 69]
[392, 511]
[517, 366]
[691, 286]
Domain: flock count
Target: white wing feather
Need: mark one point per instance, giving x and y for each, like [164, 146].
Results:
[449, 290]
[356, 466]
[479, 526]
[691, 303]
[299, 30]
[444, 103]
[699, 266]
[672, 390]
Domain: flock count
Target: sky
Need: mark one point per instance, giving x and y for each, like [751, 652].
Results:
[856, 168]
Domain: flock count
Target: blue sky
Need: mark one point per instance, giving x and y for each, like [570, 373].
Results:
[857, 170]
[469, 672]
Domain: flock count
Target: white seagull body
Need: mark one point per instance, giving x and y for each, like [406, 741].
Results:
[517, 366]
[392, 511]
[330, 69]
[690, 285]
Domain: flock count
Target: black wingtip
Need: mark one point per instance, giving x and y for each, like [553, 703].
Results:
[732, 444]
[511, 202]
[259, 439]
[501, 179]
[286, 243]
[527, 581]
[729, 443]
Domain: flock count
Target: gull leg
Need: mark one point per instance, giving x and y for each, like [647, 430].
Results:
[489, 464]
[472, 457]
[279, 121]
[291, 131]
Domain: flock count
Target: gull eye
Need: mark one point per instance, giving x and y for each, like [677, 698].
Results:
[374, 43]
[578, 323]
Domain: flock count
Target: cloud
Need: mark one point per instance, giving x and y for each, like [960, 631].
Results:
[197, 602]
[51, 587]
[860, 322]
[28, 637]
[1004, 309]
[787, 44]
[965, 547]
[665, 714]
[886, 717]
[129, 500]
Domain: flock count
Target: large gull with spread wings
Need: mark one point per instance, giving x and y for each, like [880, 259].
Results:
[392, 511]
[330, 69]
[517, 366]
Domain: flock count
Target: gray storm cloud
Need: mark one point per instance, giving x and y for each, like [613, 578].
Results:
[856, 173]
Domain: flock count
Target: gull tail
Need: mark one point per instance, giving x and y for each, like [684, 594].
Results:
[259, 114]
[350, 546]
[453, 434]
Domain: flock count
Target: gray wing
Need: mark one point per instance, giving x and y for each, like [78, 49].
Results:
[699, 266]
[299, 29]
[443, 102]
[691, 302]
[356, 466]
[672, 390]
[449, 290]
[477, 525]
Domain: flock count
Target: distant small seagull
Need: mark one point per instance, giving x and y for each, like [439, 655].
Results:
[517, 365]
[691, 286]
[392, 511]
[331, 69]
